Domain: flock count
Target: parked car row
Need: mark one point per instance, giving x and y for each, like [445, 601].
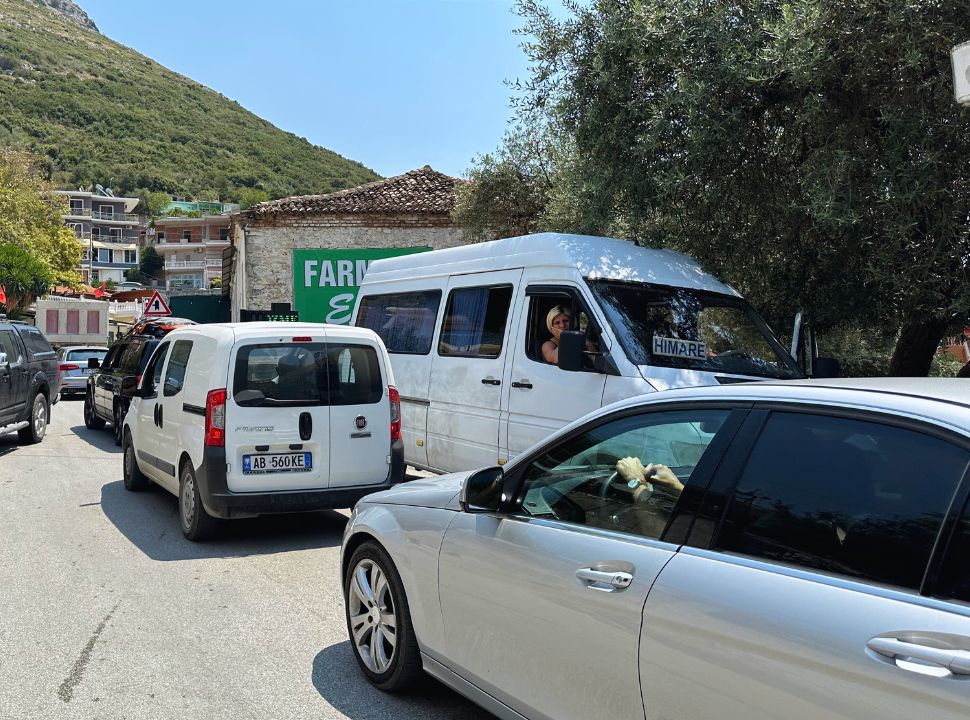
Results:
[29, 381]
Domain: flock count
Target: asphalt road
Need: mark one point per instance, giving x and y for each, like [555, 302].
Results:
[106, 611]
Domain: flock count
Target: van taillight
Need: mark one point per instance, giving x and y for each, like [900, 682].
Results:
[215, 418]
[395, 397]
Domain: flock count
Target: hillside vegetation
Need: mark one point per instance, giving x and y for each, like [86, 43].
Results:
[101, 112]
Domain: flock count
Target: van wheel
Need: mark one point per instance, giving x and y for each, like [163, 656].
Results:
[135, 479]
[197, 524]
[39, 413]
[379, 621]
[119, 422]
[91, 419]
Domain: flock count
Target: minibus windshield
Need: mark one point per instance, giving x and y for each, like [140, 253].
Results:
[691, 329]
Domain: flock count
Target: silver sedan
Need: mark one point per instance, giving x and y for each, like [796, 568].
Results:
[790, 550]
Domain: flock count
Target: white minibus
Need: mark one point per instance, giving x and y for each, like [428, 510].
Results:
[468, 330]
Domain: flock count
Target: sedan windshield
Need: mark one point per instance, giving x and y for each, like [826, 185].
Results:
[682, 328]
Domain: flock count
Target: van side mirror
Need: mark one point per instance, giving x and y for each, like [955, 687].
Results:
[129, 386]
[572, 345]
[93, 363]
[826, 368]
[482, 490]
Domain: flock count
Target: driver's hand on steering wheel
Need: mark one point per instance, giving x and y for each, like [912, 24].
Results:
[631, 469]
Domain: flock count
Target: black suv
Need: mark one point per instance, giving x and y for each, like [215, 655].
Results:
[103, 401]
[28, 380]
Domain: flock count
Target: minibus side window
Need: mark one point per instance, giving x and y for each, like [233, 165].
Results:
[474, 322]
[540, 305]
[404, 321]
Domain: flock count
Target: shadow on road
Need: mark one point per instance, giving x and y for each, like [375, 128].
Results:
[149, 519]
[341, 683]
[100, 439]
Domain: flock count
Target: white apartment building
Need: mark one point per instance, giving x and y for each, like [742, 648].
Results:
[108, 231]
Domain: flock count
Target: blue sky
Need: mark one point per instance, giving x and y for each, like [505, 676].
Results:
[394, 84]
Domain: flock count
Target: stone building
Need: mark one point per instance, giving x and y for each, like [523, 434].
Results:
[310, 251]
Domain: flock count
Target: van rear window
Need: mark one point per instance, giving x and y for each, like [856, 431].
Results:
[404, 321]
[306, 374]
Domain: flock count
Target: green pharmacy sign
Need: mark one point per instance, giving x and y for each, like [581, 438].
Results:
[325, 282]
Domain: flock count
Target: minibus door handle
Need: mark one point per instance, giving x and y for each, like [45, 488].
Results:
[491, 381]
[306, 426]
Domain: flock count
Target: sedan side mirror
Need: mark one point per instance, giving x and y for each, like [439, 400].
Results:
[129, 386]
[93, 363]
[482, 490]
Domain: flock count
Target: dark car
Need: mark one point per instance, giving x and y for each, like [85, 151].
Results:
[103, 401]
[28, 380]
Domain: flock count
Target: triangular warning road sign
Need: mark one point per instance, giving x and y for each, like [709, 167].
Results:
[156, 305]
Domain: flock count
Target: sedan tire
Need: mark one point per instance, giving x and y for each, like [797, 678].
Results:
[379, 621]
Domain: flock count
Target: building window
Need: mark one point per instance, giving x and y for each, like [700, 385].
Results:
[115, 234]
[52, 318]
[94, 322]
[104, 255]
[187, 235]
[73, 322]
[160, 236]
[84, 255]
[223, 234]
[76, 207]
[107, 212]
[131, 256]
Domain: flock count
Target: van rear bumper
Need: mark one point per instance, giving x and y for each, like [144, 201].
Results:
[220, 502]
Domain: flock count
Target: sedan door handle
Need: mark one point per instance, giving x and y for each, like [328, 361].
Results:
[491, 381]
[603, 580]
[522, 384]
[956, 661]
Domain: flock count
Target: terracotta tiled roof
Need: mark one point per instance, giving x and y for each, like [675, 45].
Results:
[418, 191]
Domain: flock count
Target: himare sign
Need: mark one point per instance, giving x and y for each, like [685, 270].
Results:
[325, 282]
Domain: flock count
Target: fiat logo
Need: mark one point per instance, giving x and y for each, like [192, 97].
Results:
[360, 421]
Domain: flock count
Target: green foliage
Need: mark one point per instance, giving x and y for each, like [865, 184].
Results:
[30, 216]
[151, 263]
[22, 276]
[251, 196]
[110, 285]
[100, 112]
[810, 152]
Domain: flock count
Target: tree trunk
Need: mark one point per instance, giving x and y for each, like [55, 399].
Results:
[918, 340]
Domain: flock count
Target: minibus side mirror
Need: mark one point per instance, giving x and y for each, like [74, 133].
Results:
[93, 363]
[572, 345]
[482, 490]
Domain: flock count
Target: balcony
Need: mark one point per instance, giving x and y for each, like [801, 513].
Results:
[114, 217]
[79, 213]
[170, 242]
[185, 264]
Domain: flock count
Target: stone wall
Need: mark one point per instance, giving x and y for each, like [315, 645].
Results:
[268, 258]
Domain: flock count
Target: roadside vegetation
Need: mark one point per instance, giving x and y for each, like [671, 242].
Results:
[810, 153]
[97, 111]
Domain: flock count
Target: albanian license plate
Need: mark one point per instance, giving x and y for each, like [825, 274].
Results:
[277, 462]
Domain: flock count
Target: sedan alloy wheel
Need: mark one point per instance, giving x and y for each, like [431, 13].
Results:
[373, 616]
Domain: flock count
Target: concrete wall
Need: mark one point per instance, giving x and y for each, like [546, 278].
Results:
[59, 309]
[263, 265]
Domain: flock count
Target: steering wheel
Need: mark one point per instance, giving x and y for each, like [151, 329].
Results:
[616, 478]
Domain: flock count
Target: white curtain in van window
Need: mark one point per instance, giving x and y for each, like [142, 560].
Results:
[467, 320]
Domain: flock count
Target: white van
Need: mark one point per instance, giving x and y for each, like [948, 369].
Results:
[465, 328]
[241, 419]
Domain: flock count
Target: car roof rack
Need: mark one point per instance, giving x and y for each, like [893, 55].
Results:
[158, 326]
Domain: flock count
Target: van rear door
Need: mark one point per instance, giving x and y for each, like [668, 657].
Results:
[277, 417]
[360, 414]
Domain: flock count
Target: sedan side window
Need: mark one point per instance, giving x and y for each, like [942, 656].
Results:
[625, 475]
[843, 496]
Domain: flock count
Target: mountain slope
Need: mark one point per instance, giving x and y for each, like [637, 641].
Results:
[103, 113]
